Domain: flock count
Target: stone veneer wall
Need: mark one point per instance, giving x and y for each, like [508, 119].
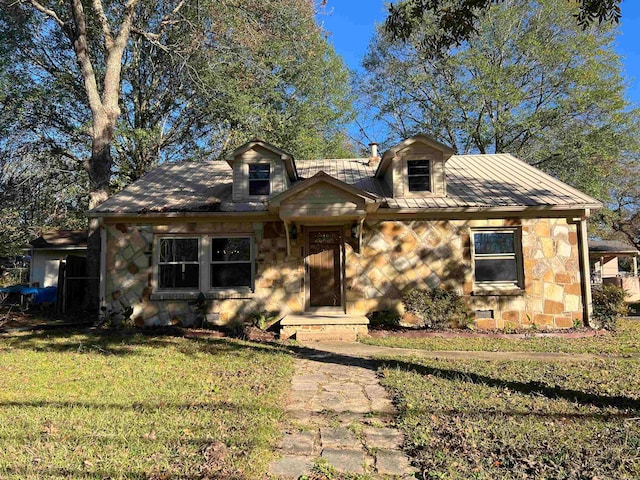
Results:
[397, 256]
[278, 281]
[394, 256]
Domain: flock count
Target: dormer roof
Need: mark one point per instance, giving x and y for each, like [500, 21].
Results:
[388, 156]
[256, 143]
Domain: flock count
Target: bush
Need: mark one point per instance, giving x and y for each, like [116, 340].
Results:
[608, 305]
[386, 319]
[436, 307]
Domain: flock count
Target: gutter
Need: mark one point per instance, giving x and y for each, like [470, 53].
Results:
[381, 212]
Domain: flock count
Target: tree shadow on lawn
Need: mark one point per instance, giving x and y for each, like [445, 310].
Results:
[124, 342]
[528, 388]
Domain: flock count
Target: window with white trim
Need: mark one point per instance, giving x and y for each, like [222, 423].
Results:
[259, 179]
[205, 263]
[178, 263]
[419, 175]
[496, 257]
[231, 264]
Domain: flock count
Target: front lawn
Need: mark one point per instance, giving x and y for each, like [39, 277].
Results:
[130, 406]
[626, 340]
[519, 419]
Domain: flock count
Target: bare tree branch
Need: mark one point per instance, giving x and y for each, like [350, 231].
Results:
[104, 23]
[48, 12]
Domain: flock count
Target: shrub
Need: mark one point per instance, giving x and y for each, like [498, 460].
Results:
[608, 305]
[387, 319]
[436, 307]
[263, 319]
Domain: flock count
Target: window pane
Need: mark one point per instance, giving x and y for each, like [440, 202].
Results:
[418, 172]
[230, 275]
[494, 243]
[178, 250]
[259, 187]
[496, 270]
[179, 276]
[419, 184]
[259, 171]
[259, 183]
[418, 167]
[230, 249]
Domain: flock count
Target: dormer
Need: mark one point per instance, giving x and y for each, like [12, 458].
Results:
[415, 167]
[260, 171]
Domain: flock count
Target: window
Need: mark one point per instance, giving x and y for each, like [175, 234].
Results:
[259, 182]
[230, 262]
[419, 175]
[495, 257]
[204, 263]
[178, 263]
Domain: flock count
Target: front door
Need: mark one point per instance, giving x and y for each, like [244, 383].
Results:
[324, 272]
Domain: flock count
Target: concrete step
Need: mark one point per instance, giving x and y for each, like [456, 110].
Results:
[323, 327]
[324, 319]
[326, 335]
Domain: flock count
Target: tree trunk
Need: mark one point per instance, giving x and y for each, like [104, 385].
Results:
[99, 170]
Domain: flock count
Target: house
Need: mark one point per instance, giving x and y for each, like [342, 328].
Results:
[325, 242]
[49, 249]
[605, 255]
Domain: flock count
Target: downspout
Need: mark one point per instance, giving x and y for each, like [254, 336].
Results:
[286, 229]
[103, 262]
[585, 276]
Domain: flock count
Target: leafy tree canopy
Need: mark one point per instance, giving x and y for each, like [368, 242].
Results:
[456, 20]
[531, 82]
[197, 78]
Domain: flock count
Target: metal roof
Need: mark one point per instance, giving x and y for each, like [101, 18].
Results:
[473, 181]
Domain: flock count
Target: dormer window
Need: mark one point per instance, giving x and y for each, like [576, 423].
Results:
[259, 179]
[419, 175]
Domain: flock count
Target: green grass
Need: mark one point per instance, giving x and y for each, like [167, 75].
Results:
[130, 406]
[519, 420]
[625, 341]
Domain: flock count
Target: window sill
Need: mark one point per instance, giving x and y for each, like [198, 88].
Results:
[221, 294]
[495, 290]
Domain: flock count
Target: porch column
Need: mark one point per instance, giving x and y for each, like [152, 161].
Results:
[102, 230]
[635, 265]
[585, 277]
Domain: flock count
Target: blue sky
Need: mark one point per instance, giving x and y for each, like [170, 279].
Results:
[351, 24]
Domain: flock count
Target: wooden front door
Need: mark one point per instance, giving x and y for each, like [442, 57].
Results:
[324, 272]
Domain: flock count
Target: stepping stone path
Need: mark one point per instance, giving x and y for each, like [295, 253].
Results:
[340, 413]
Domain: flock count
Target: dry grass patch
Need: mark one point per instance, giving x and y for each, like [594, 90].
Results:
[519, 419]
[130, 406]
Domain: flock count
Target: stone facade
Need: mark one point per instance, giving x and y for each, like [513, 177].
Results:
[398, 256]
[394, 256]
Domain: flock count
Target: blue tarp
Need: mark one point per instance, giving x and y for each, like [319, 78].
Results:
[12, 289]
[39, 295]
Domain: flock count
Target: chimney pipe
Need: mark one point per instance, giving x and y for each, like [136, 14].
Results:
[374, 158]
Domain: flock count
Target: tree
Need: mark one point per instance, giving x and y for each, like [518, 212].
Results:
[531, 83]
[456, 20]
[622, 217]
[141, 83]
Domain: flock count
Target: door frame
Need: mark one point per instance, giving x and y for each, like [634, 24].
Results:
[341, 267]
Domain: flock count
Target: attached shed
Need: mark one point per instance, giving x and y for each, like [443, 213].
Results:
[49, 249]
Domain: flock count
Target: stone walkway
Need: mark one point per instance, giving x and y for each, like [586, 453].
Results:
[340, 415]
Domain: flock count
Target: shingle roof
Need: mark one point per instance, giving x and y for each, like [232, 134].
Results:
[473, 181]
[611, 246]
[61, 239]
